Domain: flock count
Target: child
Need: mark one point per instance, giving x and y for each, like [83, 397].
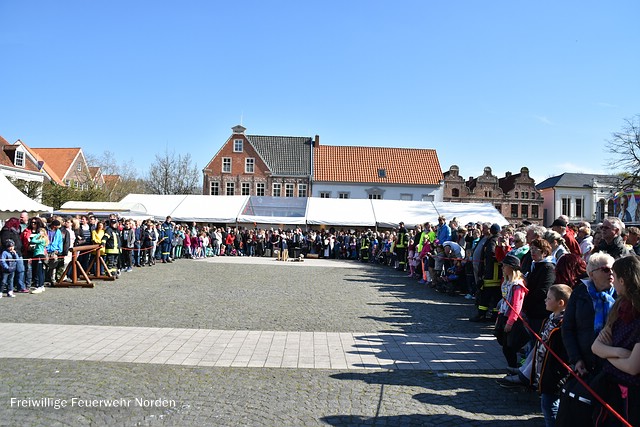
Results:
[549, 372]
[8, 262]
[509, 328]
[411, 258]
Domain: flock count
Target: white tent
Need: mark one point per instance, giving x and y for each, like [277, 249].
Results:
[157, 205]
[211, 209]
[470, 212]
[13, 201]
[389, 213]
[274, 210]
[340, 212]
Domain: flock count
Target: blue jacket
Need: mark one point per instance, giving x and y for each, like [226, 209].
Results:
[55, 242]
[7, 265]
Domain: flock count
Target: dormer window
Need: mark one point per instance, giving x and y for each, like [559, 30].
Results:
[237, 145]
[382, 173]
[19, 160]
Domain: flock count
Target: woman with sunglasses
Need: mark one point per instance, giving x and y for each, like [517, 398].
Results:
[619, 345]
[584, 318]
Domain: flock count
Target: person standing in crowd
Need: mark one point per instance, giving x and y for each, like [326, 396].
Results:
[40, 240]
[111, 242]
[560, 226]
[509, 327]
[550, 373]
[539, 279]
[128, 239]
[584, 318]
[618, 344]
[400, 247]
[444, 231]
[585, 239]
[612, 243]
[167, 233]
[24, 220]
[11, 231]
[633, 241]
[55, 249]
[570, 270]
[490, 277]
[8, 263]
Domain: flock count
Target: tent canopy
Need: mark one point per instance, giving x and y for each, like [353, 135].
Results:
[343, 212]
[13, 201]
[213, 209]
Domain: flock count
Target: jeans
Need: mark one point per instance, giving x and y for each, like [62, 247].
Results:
[28, 274]
[19, 277]
[7, 280]
[549, 403]
[38, 272]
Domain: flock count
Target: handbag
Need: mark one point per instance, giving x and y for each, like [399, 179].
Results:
[576, 402]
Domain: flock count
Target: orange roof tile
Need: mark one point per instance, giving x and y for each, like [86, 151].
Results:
[412, 166]
[58, 160]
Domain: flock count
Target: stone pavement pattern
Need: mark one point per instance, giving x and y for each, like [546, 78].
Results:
[371, 348]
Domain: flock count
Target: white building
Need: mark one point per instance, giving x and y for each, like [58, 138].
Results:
[580, 196]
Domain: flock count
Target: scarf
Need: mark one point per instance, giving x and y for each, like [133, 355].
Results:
[602, 302]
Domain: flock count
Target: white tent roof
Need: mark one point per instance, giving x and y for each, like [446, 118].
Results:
[341, 212]
[470, 212]
[158, 205]
[312, 211]
[389, 213]
[219, 209]
[13, 201]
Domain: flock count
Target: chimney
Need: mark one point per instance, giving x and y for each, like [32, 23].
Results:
[507, 174]
[316, 142]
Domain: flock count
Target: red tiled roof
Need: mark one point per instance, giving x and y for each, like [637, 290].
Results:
[412, 166]
[7, 159]
[58, 160]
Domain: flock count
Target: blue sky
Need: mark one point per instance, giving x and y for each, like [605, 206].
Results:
[505, 84]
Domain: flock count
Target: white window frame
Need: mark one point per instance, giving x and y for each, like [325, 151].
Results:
[261, 189]
[325, 194]
[226, 161]
[276, 189]
[238, 145]
[289, 190]
[232, 186]
[407, 197]
[302, 190]
[216, 185]
[245, 188]
[249, 165]
[20, 159]
[344, 195]
[79, 167]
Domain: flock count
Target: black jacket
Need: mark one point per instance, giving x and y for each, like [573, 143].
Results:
[538, 282]
[577, 327]
[617, 248]
[553, 375]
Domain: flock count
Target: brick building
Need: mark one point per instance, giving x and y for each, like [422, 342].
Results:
[514, 195]
[255, 165]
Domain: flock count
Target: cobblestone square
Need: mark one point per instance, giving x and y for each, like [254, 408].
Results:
[246, 341]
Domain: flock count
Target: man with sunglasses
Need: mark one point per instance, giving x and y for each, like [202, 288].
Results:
[612, 242]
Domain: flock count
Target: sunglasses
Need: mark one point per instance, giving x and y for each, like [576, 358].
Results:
[605, 269]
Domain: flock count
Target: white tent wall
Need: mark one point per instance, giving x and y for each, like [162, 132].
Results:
[159, 206]
[210, 209]
[340, 212]
[13, 201]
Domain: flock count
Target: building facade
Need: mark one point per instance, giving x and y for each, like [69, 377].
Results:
[515, 195]
[255, 165]
[580, 196]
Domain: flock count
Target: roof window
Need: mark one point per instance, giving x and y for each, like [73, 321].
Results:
[382, 173]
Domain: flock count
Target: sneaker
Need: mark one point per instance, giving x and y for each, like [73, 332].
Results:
[513, 371]
[23, 291]
[67, 279]
[37, 290]
[510, 381]
[10, 294]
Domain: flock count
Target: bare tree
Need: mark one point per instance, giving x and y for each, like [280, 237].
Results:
[125, 179]
[625, 147]
[172, 175]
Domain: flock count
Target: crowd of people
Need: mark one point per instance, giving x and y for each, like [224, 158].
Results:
[564, 295]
